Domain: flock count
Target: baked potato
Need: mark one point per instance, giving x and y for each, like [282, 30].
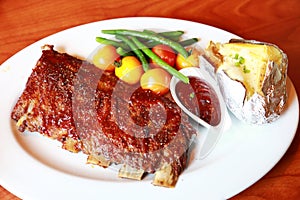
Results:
[252, 77]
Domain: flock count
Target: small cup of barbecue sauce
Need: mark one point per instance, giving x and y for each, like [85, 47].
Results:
[200, 98]
[202, 101]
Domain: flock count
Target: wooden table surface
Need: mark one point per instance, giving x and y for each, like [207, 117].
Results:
[275, 21]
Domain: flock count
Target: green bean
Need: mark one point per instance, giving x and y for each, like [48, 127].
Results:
[152, 43]
[116, 44]
[123, 52]
[183, 43]
[137, 51]
[188, 42]
[173, 35]
[159, 61]
[175, 45]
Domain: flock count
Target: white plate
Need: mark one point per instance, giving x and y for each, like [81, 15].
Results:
[34, 167]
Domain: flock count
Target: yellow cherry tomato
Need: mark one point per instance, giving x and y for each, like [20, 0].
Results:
[105, 58]
[191, 61]
[157, 80]
[130, 70]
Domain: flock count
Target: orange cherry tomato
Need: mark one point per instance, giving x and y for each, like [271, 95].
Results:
[130, 70]
[157, 80]
[105, 58]
[191, 61]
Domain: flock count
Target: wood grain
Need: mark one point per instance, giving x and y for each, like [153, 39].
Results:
[275, 21]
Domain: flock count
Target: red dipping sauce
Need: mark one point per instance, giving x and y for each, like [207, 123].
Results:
[200, 99]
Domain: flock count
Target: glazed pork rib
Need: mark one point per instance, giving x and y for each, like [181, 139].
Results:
[92, 111]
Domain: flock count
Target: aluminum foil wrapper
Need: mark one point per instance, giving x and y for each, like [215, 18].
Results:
[259, 108]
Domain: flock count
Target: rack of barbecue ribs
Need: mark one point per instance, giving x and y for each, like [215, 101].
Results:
[91, 111]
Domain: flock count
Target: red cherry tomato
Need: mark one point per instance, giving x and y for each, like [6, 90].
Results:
[166, 53]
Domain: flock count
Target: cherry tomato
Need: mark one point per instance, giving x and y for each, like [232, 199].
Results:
[191, 61]
[130, 70]
[166, 53]
[105, 58]
[157, 80]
